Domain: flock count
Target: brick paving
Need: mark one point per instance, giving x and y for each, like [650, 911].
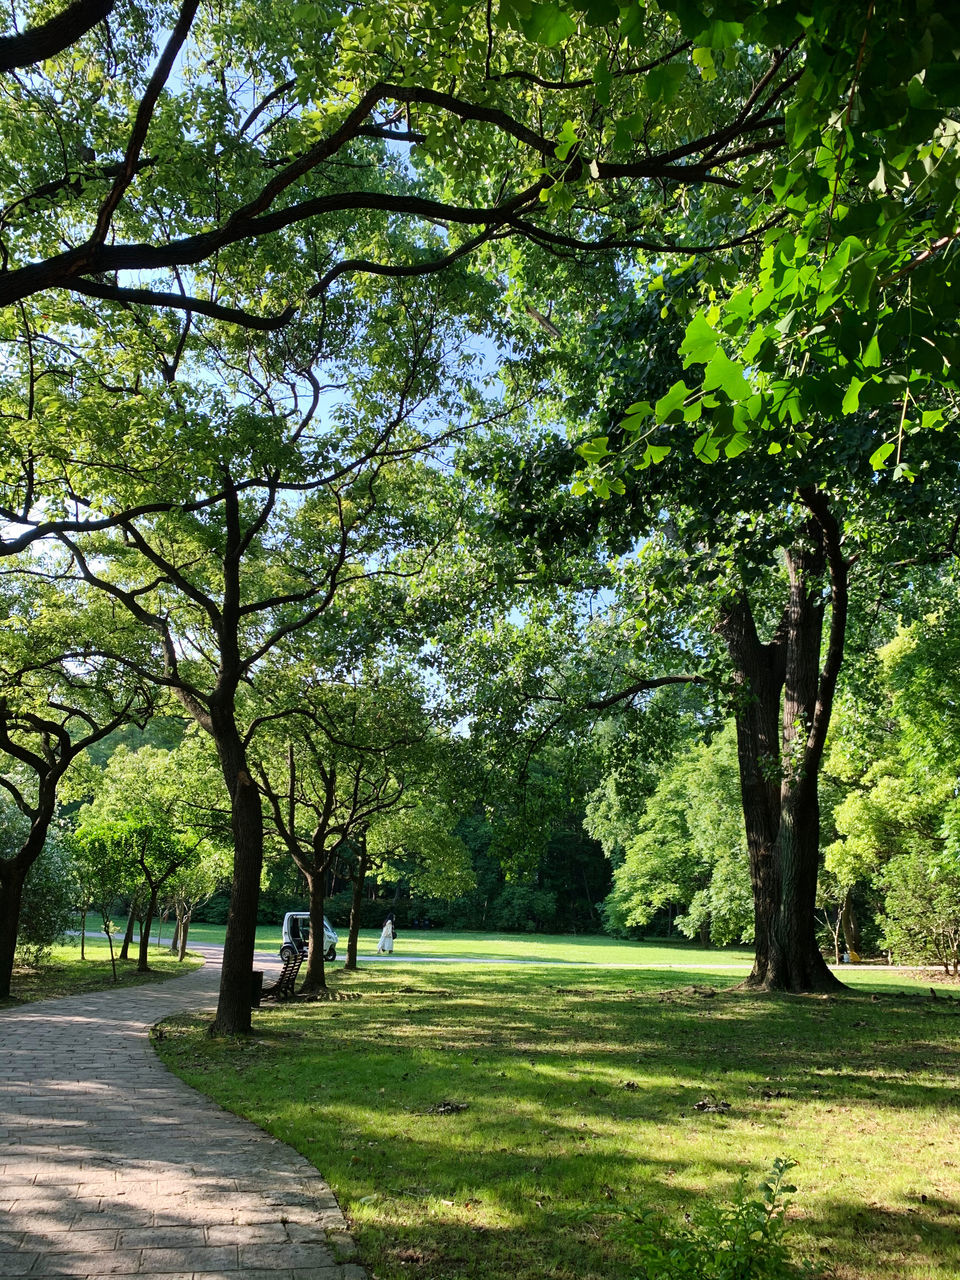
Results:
[111, 1166]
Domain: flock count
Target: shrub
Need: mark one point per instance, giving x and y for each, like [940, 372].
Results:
[742, 1240]
[46, 910]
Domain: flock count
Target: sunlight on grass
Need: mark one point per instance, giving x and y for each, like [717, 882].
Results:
[468, 1118]
[63, 973]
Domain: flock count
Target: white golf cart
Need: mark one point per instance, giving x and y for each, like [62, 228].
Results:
[296, 936]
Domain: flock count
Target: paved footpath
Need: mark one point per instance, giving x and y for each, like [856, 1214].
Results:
[111, 1166]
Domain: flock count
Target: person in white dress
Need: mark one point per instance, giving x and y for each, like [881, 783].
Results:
[385, 945]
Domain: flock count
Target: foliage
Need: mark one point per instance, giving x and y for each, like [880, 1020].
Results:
[47, 905]
[742, 1240]
[896, 824]
[923, 909]
[689, 850]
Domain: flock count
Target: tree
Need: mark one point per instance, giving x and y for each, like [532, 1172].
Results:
[897, 824]
[689, 851]
[351, 746]
[65, 686]
[303, 514]
[515, 119]
[144, 809]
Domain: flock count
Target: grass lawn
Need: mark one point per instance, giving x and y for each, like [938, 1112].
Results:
[582, 949]
[63, 973]
[579, 1089]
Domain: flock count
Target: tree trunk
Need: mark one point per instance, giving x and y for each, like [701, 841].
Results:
[175, 940]
[14, 872]
[12, 876]
[759, 674]
[779, 771]
[184, 927]
[353, 935]
[143, 959]
[109, 933]
[316, 977]
[83, 934]
[233, 1015]
[128, 932]
[850, 924]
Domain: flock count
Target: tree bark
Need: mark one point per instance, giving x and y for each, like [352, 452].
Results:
[759, 671]
[355, 906]
[128, 932]
[315, 978]
[780, 762]
[12, 877]
[143, 958]
[233, 1016]
[850, 924]
[184, 930]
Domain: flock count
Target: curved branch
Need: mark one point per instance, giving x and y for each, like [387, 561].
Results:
[141, 124]
[52, 37]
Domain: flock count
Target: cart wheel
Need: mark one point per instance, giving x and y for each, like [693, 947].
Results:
[331, 954]
[287, 952]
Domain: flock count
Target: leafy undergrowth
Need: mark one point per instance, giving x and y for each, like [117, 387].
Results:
[472, 1121]
[63, 973]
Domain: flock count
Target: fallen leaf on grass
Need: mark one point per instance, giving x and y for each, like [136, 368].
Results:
[711, 1105]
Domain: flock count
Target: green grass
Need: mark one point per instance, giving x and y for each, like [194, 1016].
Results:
[580, 1089]
[564, 948]
[63, 973]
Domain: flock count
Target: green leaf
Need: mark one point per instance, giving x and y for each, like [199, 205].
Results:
[871, 358]
[566, 140]
[699, 342]
[664, 83]
[672, 401]
[739, 444]
[879, 456]
[851, 401]
[707, 447]
[548, 24]
[703, 60]
[595, 449]
[725, 375]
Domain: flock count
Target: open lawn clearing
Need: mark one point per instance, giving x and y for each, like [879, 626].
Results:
[578, 949]
[466, 1118]
[63, 973]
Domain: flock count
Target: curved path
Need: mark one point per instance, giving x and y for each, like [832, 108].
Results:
[111, 1166]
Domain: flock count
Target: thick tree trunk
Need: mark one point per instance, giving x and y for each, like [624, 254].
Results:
[779, 770]
[175, 940]
[353, 935]
[316, 975]
[759, 673]
[796, 963]
[12, 877]
[233, 1015]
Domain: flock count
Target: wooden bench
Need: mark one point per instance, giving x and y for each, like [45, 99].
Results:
[282, 989]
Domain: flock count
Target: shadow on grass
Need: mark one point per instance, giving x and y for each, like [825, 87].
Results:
[583, 1092]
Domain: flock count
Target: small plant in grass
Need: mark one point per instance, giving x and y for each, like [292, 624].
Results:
[742, 1240]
